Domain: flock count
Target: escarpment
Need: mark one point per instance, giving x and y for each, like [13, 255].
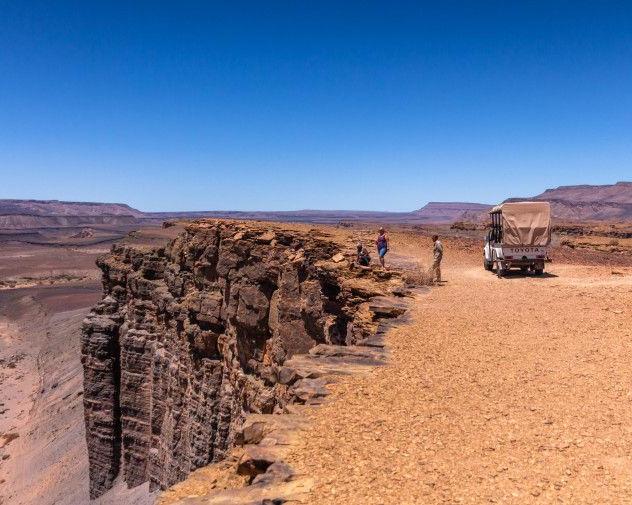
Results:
[190, 337]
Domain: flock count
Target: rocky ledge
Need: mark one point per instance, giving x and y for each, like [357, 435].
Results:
[226, 322]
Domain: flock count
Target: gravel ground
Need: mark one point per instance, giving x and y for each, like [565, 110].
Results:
[513, 390]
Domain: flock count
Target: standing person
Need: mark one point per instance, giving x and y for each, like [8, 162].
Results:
[437, 253]
[382, 246]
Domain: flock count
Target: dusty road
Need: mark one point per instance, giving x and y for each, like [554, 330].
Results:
[516, 390]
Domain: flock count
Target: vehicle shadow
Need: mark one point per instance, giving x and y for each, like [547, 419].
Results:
[517, 274]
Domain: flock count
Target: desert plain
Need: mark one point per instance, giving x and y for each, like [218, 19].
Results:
[508, 390]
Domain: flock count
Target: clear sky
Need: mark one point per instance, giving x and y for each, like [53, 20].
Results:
[292, 105]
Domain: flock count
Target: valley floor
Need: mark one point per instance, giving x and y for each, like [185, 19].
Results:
[45, 292]
[514, 390]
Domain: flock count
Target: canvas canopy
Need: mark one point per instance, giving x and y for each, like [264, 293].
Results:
[525, 223]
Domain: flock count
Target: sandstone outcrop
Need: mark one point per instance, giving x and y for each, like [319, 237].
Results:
[191, 337]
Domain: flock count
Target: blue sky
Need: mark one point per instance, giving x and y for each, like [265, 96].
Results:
[292, 105]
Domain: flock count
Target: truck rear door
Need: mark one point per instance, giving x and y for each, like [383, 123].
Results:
[524, 252]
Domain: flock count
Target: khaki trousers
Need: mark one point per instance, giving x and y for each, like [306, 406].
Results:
[436, 269]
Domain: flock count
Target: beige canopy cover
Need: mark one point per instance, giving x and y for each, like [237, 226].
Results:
[526, 223]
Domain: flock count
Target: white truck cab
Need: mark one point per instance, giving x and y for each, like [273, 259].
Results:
[519, 237]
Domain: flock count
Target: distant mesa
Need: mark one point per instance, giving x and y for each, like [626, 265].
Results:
[59, 208]
[621, 192]
[610, 202]
[449, 212]
[40, 214]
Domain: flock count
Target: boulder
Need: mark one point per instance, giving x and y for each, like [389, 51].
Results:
[255, 461]
[337, 258]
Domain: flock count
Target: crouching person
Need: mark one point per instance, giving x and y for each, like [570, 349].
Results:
[363, 258]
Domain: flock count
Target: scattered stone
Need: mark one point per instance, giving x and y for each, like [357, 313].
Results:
[266, 238]
[252, 432]
[386, 308]
[7, 438]
[309, 390]
[276, 472]
[401, 292]
[255, 461]
[286, 375]
[337, 258]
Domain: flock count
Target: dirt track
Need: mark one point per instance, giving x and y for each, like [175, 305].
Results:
[515, 390]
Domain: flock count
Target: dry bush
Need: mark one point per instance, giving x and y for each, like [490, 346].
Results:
[465, 226]
[420, 276]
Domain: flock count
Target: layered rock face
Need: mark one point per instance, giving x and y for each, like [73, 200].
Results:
[190, 337]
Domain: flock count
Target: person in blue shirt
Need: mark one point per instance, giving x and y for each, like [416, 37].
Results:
[382, 246]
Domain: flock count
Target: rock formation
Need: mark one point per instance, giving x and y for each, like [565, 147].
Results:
[190, 337]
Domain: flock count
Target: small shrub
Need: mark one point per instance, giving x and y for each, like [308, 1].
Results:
[420, 276]
[567, 243]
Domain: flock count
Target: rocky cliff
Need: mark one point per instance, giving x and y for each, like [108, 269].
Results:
[190, 337]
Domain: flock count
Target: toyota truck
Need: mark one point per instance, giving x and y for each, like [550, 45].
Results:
[519, 237]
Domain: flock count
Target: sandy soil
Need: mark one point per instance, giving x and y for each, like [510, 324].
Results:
[515, 390]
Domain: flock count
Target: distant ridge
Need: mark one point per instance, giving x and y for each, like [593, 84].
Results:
[61, 208]
[449, 212]
[31, 214]
[584, 202]
[621, 192]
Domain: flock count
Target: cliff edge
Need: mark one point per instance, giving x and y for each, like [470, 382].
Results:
[191, 337]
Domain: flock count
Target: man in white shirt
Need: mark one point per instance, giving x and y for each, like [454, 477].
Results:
[437, 252]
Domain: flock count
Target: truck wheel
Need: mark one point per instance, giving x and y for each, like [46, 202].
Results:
[539, 271]
[488, 265]
[500, 271]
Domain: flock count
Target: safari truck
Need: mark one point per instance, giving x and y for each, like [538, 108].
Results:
[518, 238]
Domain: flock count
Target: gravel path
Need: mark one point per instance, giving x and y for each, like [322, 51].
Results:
[512, 390]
